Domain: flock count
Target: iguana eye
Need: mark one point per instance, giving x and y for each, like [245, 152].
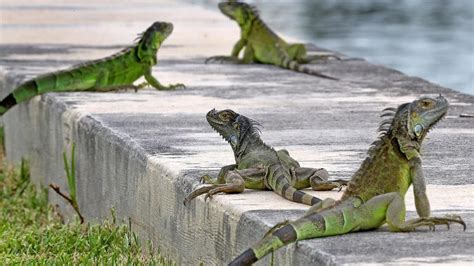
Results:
[224, 116]
[426, 104]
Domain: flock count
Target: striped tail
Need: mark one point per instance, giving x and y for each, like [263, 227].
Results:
[307, 228]
[24, 92]
[273, 241]
[291, 193]
[7, 103]
[278, 181]
[293, 65]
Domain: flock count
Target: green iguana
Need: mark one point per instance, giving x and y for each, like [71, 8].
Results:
[259, 166]
[375, 194]
[111, 73]
[261, 44]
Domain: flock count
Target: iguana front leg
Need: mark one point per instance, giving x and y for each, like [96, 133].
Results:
[157, 85]
[422, 203]
[238, 47]
[394, 205]
[235, 182]
[317, 178]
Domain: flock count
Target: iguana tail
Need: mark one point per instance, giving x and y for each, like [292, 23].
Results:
[24, 92]
[279, 183]
[67, 80]
[7, 103]
[282, 235]
[293, 65]
[291, 193]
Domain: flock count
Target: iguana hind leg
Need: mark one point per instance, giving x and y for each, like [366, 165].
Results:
[197, 192]
[298, 52]
[235, 182]
[317, 178]
[236, 186]
[391, 208]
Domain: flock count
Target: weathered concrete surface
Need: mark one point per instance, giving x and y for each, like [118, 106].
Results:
[142, 152]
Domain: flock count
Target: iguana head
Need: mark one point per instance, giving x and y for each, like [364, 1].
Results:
[233, 127]
[241, 12]
[150, 41]
[410, 122]
[423, 114]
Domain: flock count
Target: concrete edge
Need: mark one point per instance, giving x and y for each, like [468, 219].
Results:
[136, 185]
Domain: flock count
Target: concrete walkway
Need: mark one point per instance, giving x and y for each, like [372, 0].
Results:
[142, 152]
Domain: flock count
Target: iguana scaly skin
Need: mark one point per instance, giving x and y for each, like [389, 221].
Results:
[258, 166]
[375, 194]
[111, 73]
[261, 44]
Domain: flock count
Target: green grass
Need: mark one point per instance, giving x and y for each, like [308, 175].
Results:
[32, 232]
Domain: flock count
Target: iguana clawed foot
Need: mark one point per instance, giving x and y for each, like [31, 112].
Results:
[216, 189]
[196, 193]
[340, 183]
[211, 190]
[207, 179]
[318, 185]
[141, 86]
[172, 87]
[431, 222]
[177, 86]
[223, 60]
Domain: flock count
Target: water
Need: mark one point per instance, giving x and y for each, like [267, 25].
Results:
[432, 39]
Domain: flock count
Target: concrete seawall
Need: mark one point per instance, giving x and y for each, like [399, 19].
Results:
[140, 153]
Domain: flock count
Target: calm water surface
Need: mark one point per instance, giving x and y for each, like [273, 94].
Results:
[432, 39]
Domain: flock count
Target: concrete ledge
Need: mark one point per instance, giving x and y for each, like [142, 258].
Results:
[144, 160]
[142, 152]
